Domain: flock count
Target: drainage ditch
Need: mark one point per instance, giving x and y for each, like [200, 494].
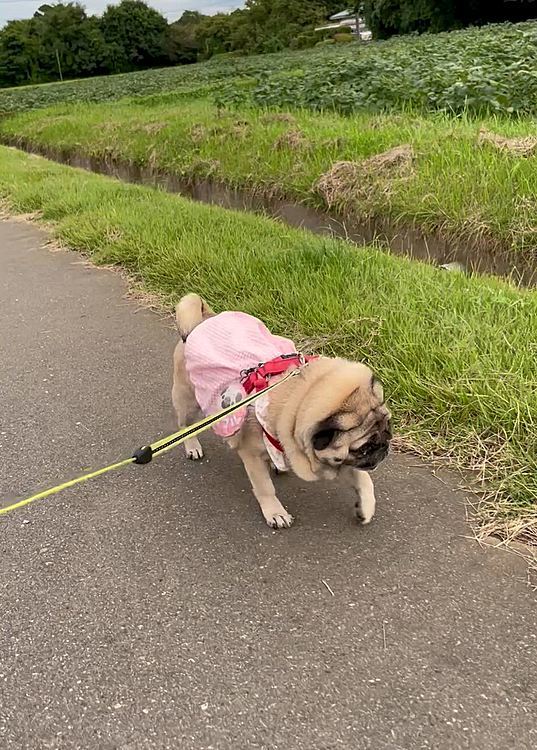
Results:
[409, 242]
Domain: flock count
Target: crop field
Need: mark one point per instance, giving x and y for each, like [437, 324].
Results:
[477, 70]
[185, 79]
[490, 69]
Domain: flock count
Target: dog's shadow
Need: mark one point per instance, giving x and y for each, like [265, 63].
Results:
[216, 489]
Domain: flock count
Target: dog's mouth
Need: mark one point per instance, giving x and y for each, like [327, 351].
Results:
[369, 455]
[372, 461]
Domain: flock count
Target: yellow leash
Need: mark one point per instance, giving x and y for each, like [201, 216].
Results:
[65, 485]
[145, 454]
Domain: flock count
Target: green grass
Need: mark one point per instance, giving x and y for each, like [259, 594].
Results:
[463, 191]
[457, 354]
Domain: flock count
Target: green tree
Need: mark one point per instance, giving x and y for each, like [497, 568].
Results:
[263, 25]
[183, 44]
[137, 36]
[71, 45]
[18, 53]
[240, 32]
[214, 35]
[388, 17]
[274, 23]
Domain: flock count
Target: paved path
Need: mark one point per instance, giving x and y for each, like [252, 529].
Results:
[153, 608]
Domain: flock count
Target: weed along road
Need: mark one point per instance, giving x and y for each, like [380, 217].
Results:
[152, 608]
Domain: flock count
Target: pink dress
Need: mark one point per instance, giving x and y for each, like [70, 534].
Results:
[217, 351]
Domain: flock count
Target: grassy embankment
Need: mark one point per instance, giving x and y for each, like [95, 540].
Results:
[457, 354]
[479, 194]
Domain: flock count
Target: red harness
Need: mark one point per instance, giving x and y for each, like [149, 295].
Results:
[257, 379]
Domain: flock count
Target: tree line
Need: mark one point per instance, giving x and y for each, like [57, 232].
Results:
[63, 41]
[387, 18]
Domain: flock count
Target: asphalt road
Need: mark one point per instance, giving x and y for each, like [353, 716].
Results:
[152, 608]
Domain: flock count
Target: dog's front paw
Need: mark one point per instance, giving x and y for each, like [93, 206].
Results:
[193, 449]
[279, 520]
[274, 513]
[362, 518]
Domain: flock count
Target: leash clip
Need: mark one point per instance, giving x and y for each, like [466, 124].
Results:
[143, 455]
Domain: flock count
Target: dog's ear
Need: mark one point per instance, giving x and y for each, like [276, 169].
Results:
[324, 433]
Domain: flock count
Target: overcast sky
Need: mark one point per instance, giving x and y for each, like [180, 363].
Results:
[172, 9]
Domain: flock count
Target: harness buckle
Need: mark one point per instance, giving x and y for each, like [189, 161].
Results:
[248, 371]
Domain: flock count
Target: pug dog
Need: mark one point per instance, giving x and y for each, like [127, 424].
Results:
[329, 421]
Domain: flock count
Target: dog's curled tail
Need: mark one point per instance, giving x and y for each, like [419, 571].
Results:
[190, 311]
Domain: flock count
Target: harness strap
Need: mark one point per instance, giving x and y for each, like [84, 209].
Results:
[257, 379]
[272, 440]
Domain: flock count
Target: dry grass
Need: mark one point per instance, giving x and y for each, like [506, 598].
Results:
[271, 117]
[341, 183]
[526, 146]
[152, 128]
[205, 168]
[240, 129]
[291, 139]
[198, 133]
[348, 182]
[395, 160]
[7, 213]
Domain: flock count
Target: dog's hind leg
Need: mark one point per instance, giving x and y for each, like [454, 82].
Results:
[184, 402]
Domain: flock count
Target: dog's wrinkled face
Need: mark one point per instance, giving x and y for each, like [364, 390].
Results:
[359, 434]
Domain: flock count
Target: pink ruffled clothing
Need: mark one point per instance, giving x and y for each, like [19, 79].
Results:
[217, 351]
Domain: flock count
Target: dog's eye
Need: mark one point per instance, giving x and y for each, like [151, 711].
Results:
[322, 439]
